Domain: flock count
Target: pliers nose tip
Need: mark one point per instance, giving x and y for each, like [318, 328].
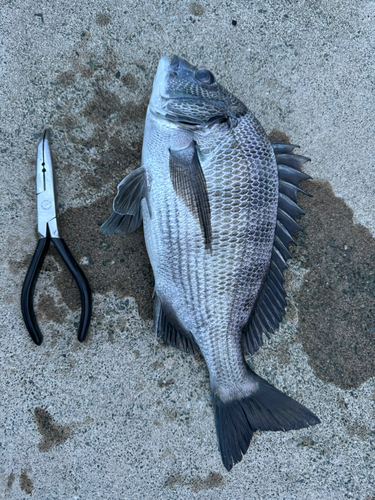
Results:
[47, 134]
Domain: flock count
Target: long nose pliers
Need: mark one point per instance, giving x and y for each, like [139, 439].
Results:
[48, 230]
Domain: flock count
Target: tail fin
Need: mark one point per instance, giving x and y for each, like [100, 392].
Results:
[266, 409]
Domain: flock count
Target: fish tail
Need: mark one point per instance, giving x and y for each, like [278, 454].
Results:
[265, 408]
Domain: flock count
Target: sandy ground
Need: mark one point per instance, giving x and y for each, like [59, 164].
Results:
[121, 416]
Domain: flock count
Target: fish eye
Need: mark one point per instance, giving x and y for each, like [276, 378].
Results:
[204, 76]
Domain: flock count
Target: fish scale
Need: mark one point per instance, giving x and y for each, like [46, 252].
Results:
[217, 230]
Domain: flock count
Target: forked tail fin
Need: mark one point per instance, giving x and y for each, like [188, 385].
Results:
[266, 409]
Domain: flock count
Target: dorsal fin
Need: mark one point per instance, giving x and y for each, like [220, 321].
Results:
[282, 148]
[295, 161]
[269, 308]
[290, 190]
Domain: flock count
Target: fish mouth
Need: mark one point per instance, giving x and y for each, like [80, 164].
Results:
[168, 100]
[167, 71]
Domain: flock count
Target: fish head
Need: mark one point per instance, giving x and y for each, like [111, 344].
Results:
[190, 96]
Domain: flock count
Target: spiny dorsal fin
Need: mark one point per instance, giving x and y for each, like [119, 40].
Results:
[282, 148]
[295, 161]
[291, 175]
[290, 190]
[189, 184]
[127, 214]
[268, 311]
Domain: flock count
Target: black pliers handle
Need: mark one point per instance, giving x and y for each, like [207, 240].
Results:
[48, 229]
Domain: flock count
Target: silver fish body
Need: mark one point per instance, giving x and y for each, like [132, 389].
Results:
[209, 196]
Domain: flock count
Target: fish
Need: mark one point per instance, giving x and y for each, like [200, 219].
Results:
[218, 206]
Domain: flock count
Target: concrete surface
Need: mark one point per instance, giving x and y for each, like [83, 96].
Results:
[121, 416]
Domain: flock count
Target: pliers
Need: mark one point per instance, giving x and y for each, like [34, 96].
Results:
[48, 229]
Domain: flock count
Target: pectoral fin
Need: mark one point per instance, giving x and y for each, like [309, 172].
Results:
[189, 184]
[127, 214]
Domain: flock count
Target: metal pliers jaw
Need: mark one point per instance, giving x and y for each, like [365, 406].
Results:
[45, 189]
[48, 229]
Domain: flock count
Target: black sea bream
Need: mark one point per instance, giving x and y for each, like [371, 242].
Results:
[218, 203]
